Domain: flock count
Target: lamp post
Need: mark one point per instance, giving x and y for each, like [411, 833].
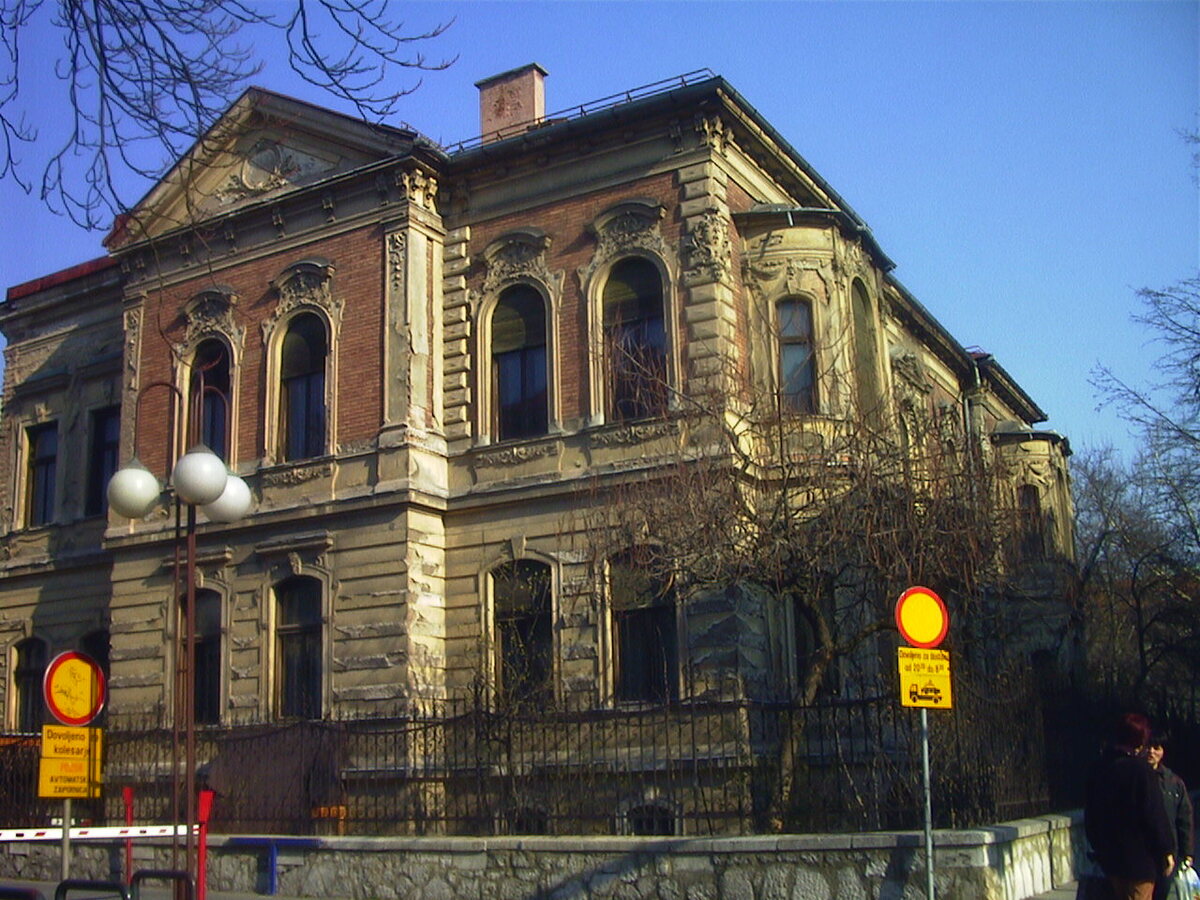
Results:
[199, 479]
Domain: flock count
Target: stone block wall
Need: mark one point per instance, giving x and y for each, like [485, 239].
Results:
[1010, 861]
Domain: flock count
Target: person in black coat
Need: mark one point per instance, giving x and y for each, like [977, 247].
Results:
[1124, 816]
[1178, 806]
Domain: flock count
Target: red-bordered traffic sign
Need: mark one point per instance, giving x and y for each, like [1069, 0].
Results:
[74, 688]
[921, 617]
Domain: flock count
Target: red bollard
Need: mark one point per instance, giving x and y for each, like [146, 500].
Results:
[127, 796]
[203, 812]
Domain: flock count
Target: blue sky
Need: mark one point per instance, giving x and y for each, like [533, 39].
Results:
[1021, 162]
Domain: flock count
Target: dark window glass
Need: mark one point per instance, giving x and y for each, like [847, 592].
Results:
[519, 364]
[797, 381]
[211, 369]
[302, 404]
[524, 631]
[1032, 524]
[635, 341]
[43, 467]
[646, 636]
[298, 647]
[103, 457]
[27, 680]
[206, 696]
[650, 819]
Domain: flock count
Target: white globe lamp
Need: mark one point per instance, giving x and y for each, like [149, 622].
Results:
[199, 476]
[233, 503]
[133, 490]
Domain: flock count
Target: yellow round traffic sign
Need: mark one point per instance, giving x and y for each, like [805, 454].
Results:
[74, 688]
[921, 617]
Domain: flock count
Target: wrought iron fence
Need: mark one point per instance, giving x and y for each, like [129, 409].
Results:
[693, 768]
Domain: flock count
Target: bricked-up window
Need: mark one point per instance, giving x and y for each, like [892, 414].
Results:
[521, 598]
[211, 369]
[797, 372]
[207, 658]
[302, 400]
[298, 654]
[635, 341]
[645, 632]
[519, 364]
[104, 447]
[28, 670]
[1031, 522]
[42, 441]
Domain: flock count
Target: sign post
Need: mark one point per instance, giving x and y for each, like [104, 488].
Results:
[74, 690]
[924, 682]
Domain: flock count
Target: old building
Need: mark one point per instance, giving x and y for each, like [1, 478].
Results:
[421, 359]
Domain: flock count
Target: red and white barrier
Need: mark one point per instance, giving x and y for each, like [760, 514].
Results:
[83, 833]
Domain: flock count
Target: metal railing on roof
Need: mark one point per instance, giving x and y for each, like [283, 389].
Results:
[586, 109]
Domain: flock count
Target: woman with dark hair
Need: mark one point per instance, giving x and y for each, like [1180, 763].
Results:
[1178, 806]
[1124, 816]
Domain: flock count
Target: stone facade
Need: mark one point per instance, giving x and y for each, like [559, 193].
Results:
[357, 288]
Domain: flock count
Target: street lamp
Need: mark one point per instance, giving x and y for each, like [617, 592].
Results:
[201, 480]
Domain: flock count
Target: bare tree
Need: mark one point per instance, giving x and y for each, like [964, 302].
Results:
[142, 79]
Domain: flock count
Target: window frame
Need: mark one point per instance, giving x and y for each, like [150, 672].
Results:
[27, 706]
[503, 621]
[313, 392]
[213, 413]
[492, 401]
[41, 476]
[627, 641]
[286, 638]
[782, 341]
[104, 458]
[607, 330]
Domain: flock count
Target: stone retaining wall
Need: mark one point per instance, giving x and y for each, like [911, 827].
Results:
[1011, 861]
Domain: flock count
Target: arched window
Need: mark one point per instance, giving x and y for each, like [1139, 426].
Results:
[302, 383]
[797, 370]
[211, 369]
[42, 441]
[298, 650]
[645, 633]
[28, 671]
[524, 633]
[635, 341]
[519, 364]
[206, 662]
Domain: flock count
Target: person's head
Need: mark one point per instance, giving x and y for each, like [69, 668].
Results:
[1131, 732]
[1156, 746]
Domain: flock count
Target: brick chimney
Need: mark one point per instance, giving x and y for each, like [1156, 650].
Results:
[510, 101]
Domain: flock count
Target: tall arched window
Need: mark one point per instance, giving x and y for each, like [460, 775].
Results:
[797, 370]
[1031, 524]
[28, 670]
[645, 633]
[524, 634]
[519, 364]
[206, 662]
[302, 383]
[298, 651]
[635, 341]
[211, 369]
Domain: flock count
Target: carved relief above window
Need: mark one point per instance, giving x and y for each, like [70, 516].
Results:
[630, 226]
[211, 312]
[306, 283]
[517, 256]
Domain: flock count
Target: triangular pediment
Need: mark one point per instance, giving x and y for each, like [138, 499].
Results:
[265, 146]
